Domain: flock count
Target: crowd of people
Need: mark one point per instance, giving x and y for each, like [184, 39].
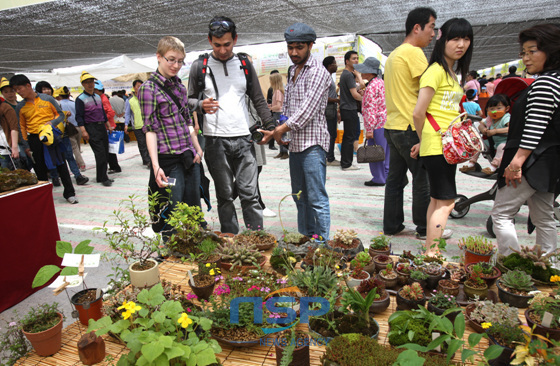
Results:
[224, 117]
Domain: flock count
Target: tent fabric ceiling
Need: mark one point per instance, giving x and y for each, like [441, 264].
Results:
[64, 33]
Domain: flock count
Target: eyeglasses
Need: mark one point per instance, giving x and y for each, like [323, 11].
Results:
[529, 53]
[173, 62]
[221, 25]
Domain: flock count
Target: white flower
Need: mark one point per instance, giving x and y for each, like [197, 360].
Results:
[533, 293]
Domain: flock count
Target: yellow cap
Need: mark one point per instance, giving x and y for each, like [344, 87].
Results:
[85, 75]
[58, 92]
[4, 82]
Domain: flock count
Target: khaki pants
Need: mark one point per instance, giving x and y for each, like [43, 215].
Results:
[75, 141]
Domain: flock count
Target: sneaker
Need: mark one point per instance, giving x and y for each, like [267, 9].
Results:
[81, 180]
[108, 183]
[268, 213]
[333, 163]
[56, 182]
[370, 183]
[351, 167]
[447, 233]
[466, 168]
[73, 200]
[488, 171]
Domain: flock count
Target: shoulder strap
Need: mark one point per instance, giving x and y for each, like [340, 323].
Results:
[202, 70]
[433, 122]
[244, 59]
[171, 95]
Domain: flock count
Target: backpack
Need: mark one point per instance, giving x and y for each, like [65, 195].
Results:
[203, 70]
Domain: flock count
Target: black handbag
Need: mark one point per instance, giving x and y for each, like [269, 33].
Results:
[370, 154]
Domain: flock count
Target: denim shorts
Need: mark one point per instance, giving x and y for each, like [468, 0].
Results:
[441, 176]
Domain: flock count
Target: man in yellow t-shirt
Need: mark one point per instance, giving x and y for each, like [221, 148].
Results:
[403, 69]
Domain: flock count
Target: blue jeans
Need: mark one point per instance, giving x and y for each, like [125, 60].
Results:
[308, 173]
[232, 163]
[187, 185]
[66, 147]
[400, 143]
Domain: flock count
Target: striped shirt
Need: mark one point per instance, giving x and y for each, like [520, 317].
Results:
[542, 102]
[305, 102]
[162, 116]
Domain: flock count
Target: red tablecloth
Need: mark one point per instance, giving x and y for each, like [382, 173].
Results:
[28, 233]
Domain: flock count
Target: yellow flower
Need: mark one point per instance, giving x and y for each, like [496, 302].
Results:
[184, 320]
[207, 264]
[212, 272]
[130, 308]
[292, 259]
[126, 314]
[522, 356]
[486, 325]
[337, 267]
[555, 278]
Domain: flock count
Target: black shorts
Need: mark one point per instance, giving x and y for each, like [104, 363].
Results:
[441, 176]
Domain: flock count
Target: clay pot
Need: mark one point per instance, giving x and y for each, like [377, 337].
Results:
[300, 355]
[550, 333]
[471, 291]
[448, 289]
[402, 278]
[389, 282]
[87, 311]
[517, 301]
[355, 282]
[439, 311]
[490, 280]
[380, 266]
[146, 278]
[374, 252]
[47, 342]
[505, 358]
[379, 306]
[472, 257]
[406, 304]
[203, 292]
[421, 282]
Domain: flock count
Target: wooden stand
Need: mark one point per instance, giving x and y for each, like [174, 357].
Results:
[91, 349]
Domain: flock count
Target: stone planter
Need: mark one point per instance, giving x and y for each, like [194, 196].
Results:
[471, 291]
[146, 278]
[379, 306]
[389, 282]
[299, 249]
[350, 252]
[517, 301]
[47, 342]
[406, 304]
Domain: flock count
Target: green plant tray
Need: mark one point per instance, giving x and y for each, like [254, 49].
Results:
[504, 269]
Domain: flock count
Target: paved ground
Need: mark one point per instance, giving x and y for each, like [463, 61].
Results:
[353, 206]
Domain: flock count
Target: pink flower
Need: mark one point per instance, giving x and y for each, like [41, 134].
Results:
[282, 281]
[220, 277]
[189, 310]
[191, 296]
[265, 289]
[12, 324]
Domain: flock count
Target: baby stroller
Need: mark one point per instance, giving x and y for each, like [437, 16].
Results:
[512, 87]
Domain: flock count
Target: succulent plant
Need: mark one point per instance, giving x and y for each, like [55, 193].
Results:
[367, 285]
[499, 313]
[294, 238]
[476, 244]
[382, 258]
[433, 270]
[485, 267]
[418, 275]
[412, 292]
[239, 255]
[345, 236]
[517, 280]
[536, 255]
[379, 242]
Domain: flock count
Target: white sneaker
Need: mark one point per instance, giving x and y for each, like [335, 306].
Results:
[351, 167]
[447, 233]
[73, 200]
[268, 213]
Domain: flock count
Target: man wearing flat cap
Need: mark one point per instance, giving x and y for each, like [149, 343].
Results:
[305, 101]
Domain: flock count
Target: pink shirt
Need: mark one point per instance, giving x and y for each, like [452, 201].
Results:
[490, 89]
[473, 84]
[373, 105]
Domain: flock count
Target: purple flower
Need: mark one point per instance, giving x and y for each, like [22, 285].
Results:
[282, 281]
[191, 296]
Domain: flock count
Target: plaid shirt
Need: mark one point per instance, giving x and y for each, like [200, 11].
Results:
[161, 114]
[304, 105]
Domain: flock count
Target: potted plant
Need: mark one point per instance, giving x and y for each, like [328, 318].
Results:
[531, 260]
[318, 281]
[361, 306]
[382, 301]
[388, 276]
[208, 252]
[380, 245]
[204, 280]
[259, 238]
[543, 303]
[356, 276]
[514, 288]
[156, 328]
[323, 257]
[476, 249]
[381, 261]
[282, 260]
[488, 312]
[42, 326]
[135, 241]
[365, 260]
[346, 242]
[419, 277]
[435, 273]
[240, 257]
[13, 343]
[489, 272]
[298, 243]
[410, 296]
[506, 336]
[440, 303]
[475, 285]
[403, 273]
[449, 287]
[292, 348]
[89, 303]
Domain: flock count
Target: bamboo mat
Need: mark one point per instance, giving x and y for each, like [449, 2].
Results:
[176, 272]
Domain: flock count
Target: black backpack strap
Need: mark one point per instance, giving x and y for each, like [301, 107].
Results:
[245, 62]
[182, 110]
[201, 77]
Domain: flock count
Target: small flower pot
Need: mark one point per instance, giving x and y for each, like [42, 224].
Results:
[380, 305]
[421, 282]
[472, 291]
[202, 292]
[473, 323]
[380, 266]
[300, 356]
[490, 280]
[389, 282]
[445, 287]
[406, 304]
[438, 311]
[47, 342]
[144, 278]
[88, 310]
[432, 281]
[472, 257]
[505, 358]
[517, 301]
[550, 333]
[374, 252]
[355, 282]
[402, 278]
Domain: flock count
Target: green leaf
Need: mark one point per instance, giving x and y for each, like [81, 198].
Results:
[174, 352]
[460, 325]
[445, 325]
[474, 339]
[467, 353]
[102, 324]
[410, 358]
[454, 345]
[438, 341]
[492, 352]
[186, 349]
[414, 347]
[205, 323]
[152, 351]
[158, 317]
[44, 275]
[410, 335]
[166, 341]
[172, 309]
[206, 357]
[83, 248]
[199, 347]
[69, 271]
[63, 247]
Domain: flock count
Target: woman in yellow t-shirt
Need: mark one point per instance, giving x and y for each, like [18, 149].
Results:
[440, 95]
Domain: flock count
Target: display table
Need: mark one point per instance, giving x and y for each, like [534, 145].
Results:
[29, 234]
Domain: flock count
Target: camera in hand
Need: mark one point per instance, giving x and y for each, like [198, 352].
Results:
[258, 136]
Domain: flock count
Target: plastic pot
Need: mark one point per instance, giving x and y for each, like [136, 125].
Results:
[146, 278]
[406, 304]
[90, 310]
[472, 257]
[47, 342]
[517, 301]
[202, 292]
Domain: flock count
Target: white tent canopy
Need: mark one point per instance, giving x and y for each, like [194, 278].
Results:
[110, 69]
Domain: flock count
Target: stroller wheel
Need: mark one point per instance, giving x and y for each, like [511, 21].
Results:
[490, 227]
[460, 210]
